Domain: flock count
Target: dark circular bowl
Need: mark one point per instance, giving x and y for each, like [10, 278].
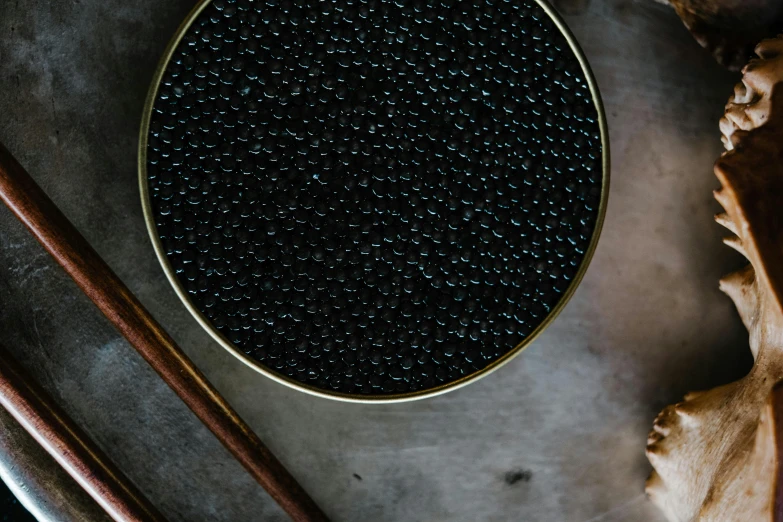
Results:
[369, 200]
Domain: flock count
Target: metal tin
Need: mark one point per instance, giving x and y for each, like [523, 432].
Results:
[378, 399]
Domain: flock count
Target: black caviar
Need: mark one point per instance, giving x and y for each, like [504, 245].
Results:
[374, 196]
[11, 510]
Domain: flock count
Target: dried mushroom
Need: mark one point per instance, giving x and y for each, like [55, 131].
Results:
[730, 29]
[715, 453]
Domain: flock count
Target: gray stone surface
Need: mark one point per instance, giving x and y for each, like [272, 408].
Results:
[556, 435]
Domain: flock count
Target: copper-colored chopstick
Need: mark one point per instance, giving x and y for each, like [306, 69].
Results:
[40, 416]
[69, 248]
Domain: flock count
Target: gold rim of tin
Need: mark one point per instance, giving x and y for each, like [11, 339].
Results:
[376, 399]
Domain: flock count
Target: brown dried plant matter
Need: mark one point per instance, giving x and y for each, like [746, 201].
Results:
[730, 29]
[714, 454]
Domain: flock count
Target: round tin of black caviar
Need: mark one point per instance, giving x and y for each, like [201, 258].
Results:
[374, 200]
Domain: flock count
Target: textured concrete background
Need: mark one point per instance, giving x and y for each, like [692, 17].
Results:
[556, 435]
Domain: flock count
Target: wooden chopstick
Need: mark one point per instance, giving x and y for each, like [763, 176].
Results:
[40, 416]
[69, 248]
